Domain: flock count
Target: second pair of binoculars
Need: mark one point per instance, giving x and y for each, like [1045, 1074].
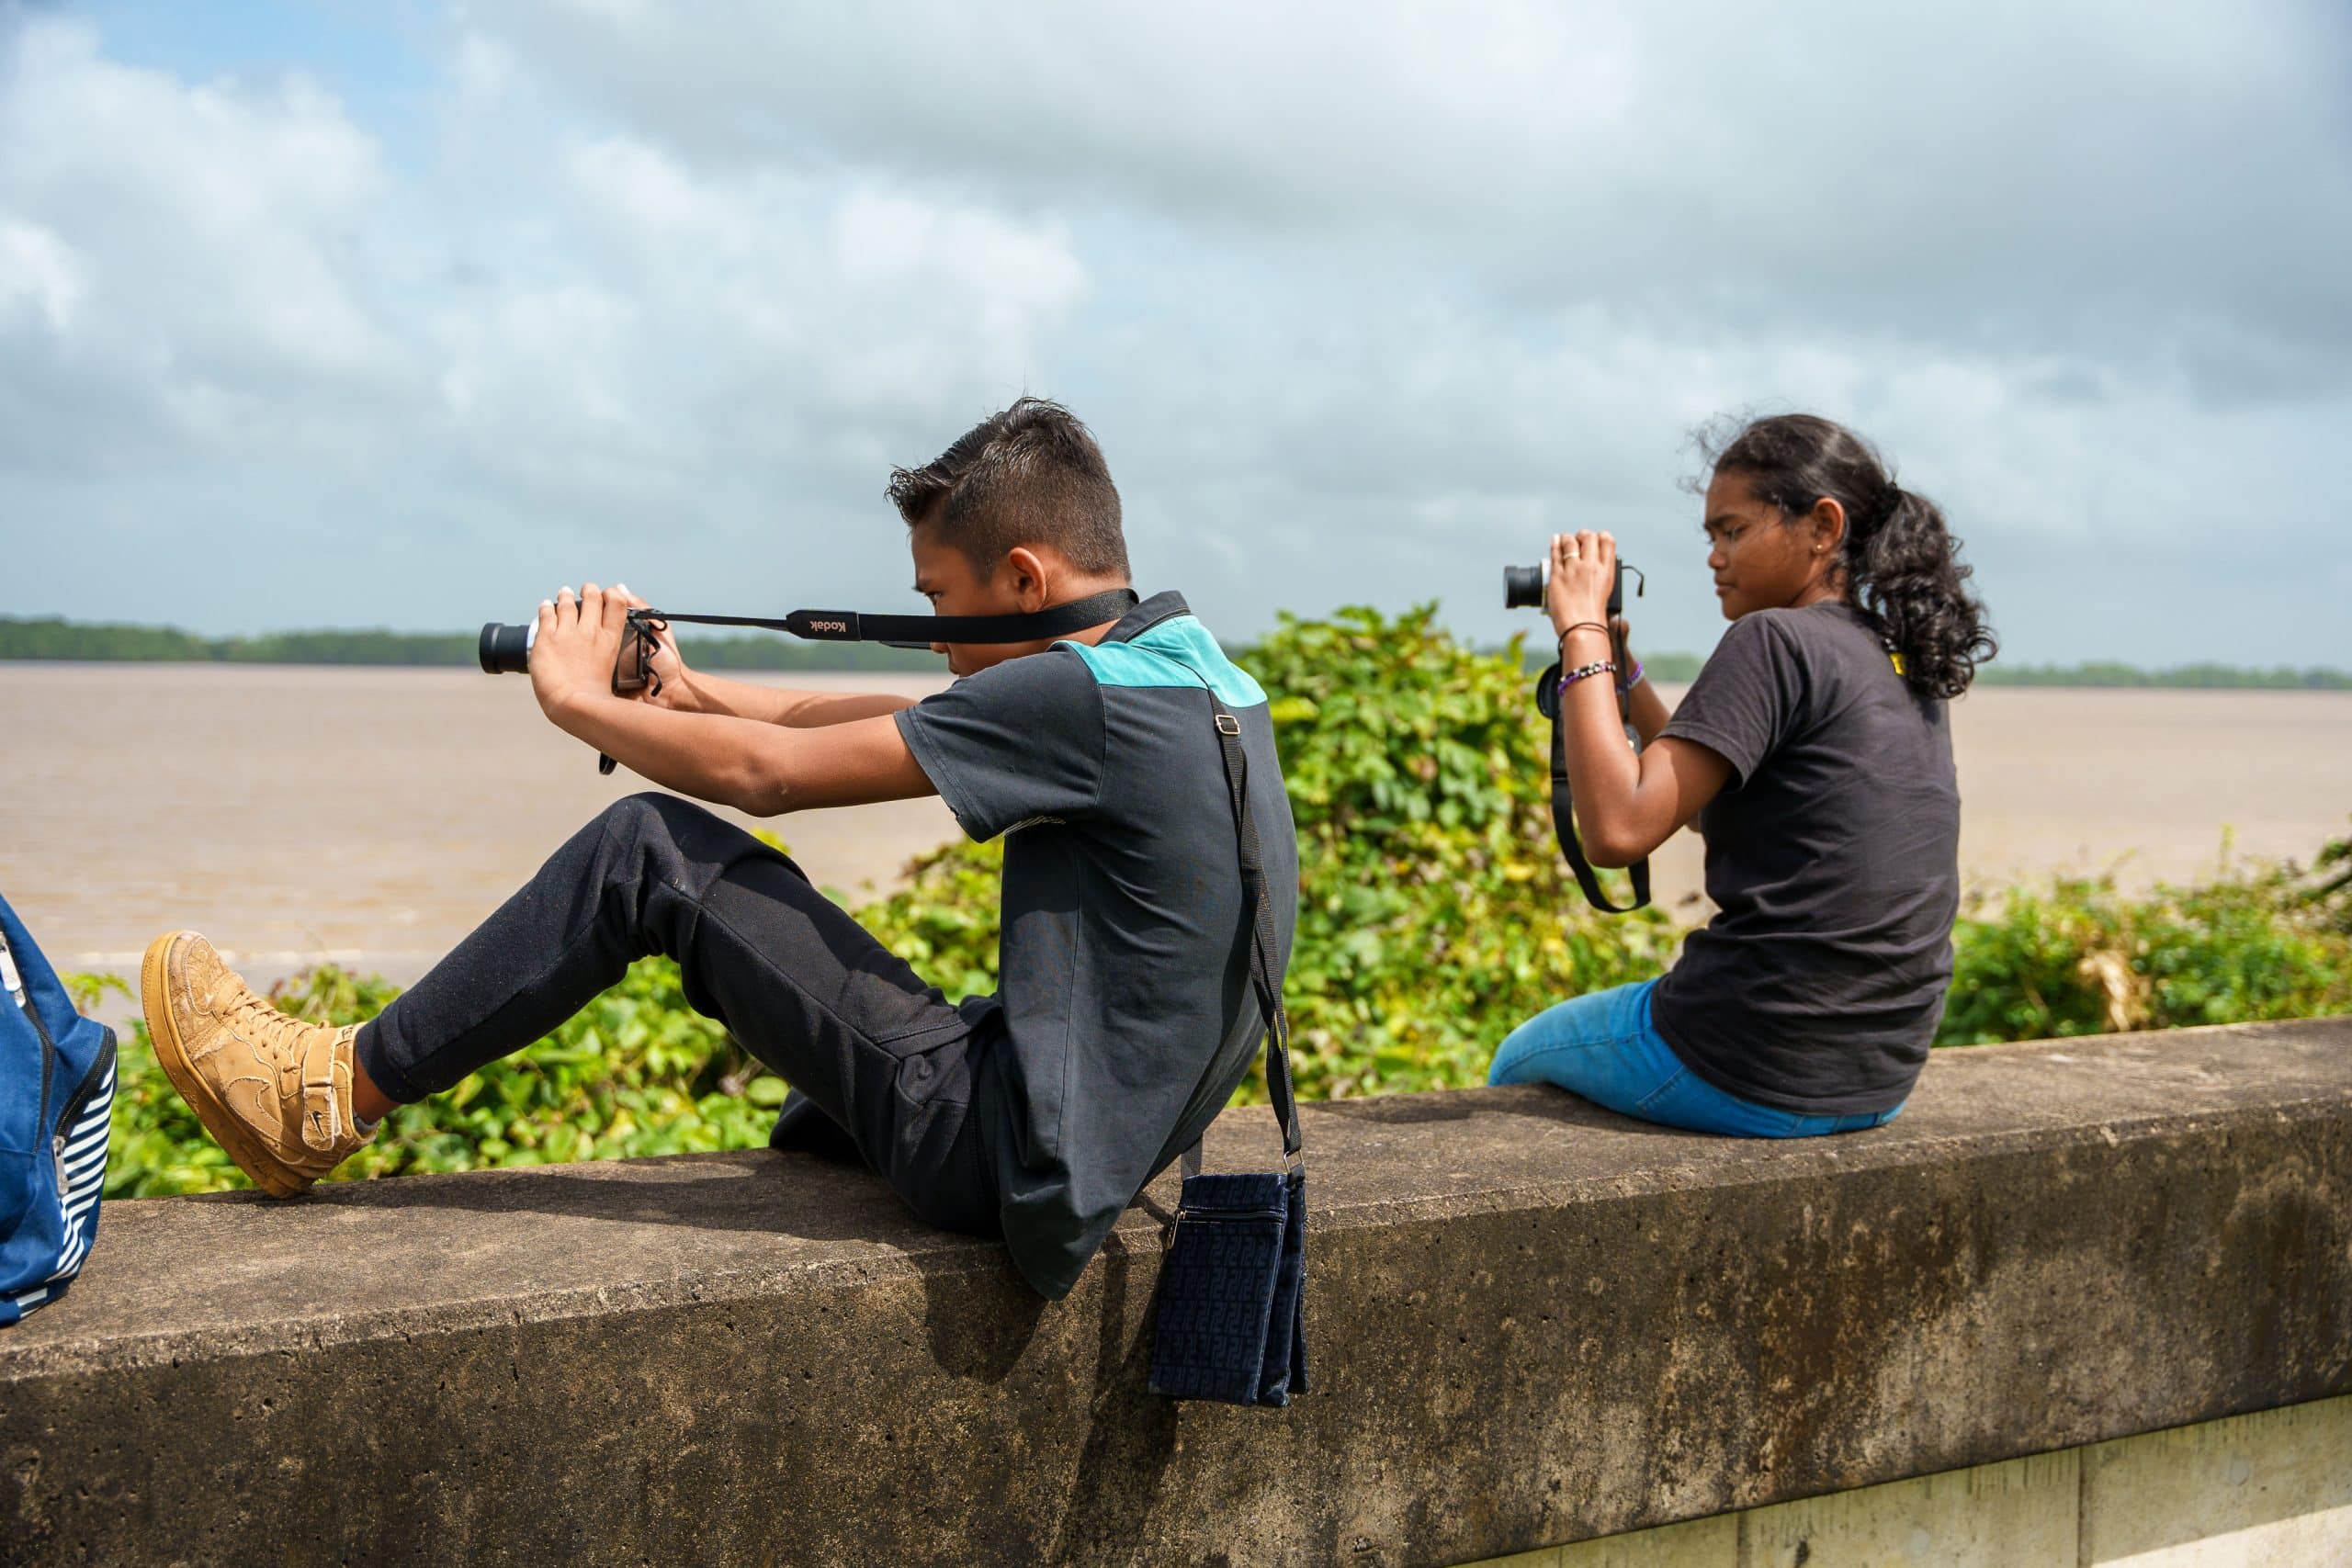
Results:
[1523, 588]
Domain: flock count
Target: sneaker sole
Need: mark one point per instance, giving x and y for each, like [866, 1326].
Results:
[170, 1054]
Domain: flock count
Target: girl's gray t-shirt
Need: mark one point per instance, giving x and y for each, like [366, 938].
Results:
[1833, 858]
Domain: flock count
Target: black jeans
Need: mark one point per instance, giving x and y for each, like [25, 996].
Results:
[870, 1050]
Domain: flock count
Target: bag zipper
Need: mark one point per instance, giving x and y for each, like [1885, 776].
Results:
[15, 982]
[77, 1103]
[1226, 1215]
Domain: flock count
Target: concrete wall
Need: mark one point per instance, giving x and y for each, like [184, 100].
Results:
[1534, 1322]
[2271, 1489]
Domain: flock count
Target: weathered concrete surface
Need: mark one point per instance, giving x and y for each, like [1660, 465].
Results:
[1532, 1321]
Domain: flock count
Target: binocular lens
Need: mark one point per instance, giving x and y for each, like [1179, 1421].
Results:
[1523, 587]
[506, 650]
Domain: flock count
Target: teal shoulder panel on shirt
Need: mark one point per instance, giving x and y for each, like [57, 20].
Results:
[1179, 651]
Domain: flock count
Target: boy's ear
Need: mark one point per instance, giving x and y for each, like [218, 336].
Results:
[1029, 576]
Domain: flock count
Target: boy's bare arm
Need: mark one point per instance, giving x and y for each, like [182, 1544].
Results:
[761, 768]
[707, 694]
[694, 690]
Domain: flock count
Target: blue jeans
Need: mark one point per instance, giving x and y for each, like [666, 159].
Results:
[1604, 1047]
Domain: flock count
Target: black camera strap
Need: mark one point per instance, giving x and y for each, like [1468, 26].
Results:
[1548, 699]
[922, 631]
[633, 667]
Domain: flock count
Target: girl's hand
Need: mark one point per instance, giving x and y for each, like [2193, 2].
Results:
[573, 654]
[1584, 573]
[673, 682]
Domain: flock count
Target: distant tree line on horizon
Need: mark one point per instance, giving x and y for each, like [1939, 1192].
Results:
[53, 638]
[2101, 672]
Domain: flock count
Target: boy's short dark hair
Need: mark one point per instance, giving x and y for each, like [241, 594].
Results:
[1031, 475]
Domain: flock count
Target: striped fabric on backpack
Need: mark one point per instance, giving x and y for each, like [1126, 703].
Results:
[56, 1098]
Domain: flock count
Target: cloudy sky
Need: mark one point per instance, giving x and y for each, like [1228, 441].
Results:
[405, 314]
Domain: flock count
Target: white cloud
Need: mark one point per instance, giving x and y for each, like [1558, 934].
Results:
[38, 273]
[202, 247]
[1362, 300]
[550, 321]
[2010, 172]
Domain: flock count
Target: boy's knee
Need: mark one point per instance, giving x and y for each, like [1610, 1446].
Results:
[649, 823]
[667, 828]
[649, 813]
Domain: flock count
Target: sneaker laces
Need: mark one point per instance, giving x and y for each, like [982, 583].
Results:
[256, 1016]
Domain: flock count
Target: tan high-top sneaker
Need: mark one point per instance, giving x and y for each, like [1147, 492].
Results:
[274, 1091]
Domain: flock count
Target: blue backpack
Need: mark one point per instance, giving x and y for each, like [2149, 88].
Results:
[56, 1094]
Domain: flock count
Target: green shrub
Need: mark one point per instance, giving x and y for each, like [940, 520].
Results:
[1435, 913]
[2080, 957]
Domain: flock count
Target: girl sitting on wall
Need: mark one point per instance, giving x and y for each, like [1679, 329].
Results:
[1812, 753]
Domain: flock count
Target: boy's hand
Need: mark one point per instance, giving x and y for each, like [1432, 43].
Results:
[673, 684]
[572, 656]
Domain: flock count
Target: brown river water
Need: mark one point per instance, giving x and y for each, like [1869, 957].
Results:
[370, 816]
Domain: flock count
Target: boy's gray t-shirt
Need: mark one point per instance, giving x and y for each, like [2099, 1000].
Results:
[1833, 860]
[1128, 1013]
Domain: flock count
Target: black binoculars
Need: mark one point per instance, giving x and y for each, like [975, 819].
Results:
[506, 650]
[1523, 588]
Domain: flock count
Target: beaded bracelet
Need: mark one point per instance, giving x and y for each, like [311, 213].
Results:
[1630, 681]
[1598, 667]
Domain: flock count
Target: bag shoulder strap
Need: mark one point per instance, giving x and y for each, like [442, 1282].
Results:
[1279, 1087]
[20, 994]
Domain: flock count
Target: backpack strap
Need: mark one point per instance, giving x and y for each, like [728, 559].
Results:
[20, 993]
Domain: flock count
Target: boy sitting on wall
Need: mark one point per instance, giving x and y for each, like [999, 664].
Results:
[1126, 1016]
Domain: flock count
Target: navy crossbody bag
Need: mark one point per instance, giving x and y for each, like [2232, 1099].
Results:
[1231, 1320]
